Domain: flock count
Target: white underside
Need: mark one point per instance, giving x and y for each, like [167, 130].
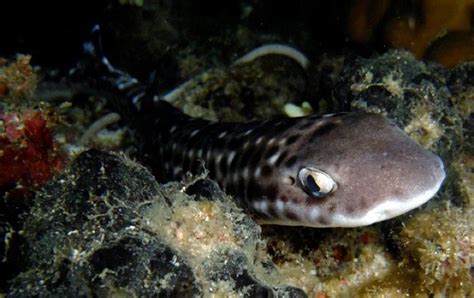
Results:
[389, 209]
[392, 207]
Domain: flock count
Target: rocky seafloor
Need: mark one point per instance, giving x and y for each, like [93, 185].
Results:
[77, 221]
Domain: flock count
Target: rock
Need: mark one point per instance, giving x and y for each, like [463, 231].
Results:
[105, 227]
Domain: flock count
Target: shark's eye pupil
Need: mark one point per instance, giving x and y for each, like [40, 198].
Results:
[316, 183]
[311, 184]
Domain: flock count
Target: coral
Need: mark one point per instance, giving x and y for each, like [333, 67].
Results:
[439, 17]
[463, 171]
[435, 257]
[412, 93]
[453, 49]
[439, 30]
[461, 85]
[423, 128]
[28, 154]
[438, 246]
[17, 80]
[333, 262]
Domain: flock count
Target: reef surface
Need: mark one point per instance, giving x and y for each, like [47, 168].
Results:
[77, 221]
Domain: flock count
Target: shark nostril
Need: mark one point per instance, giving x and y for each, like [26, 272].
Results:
[289, 180]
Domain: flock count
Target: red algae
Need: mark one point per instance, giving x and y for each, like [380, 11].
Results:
[28, 156]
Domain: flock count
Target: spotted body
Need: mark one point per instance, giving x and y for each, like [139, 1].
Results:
[340, 170]
[379, 172]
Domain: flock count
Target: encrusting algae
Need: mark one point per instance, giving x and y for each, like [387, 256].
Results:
[17, 80]
[436, 250]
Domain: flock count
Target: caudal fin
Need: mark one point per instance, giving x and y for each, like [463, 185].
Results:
[97, 71]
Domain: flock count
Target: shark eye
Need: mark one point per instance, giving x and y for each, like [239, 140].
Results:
[316, 183]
